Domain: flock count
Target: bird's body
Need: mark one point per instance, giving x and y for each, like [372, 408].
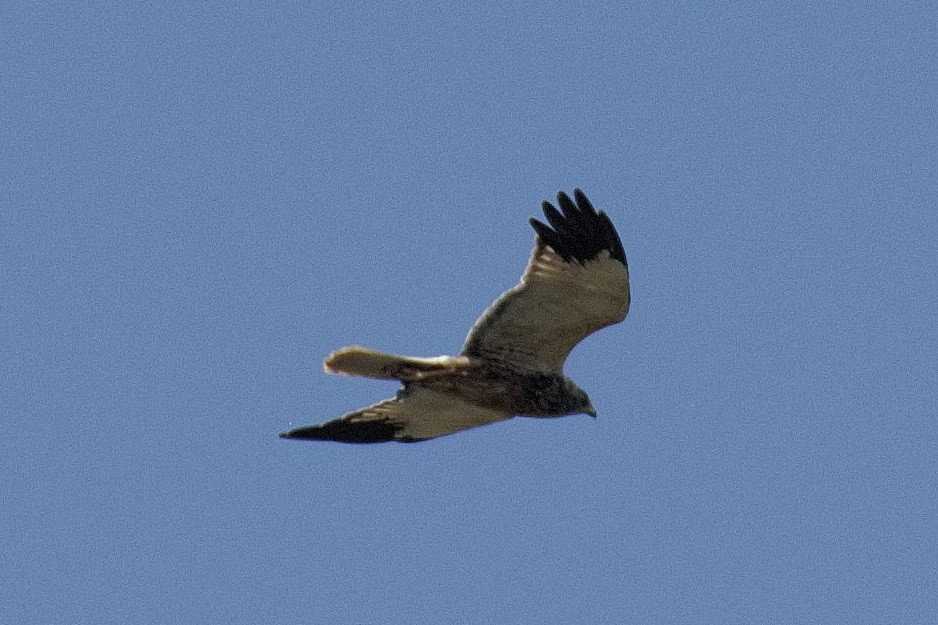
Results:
[576, 282]
[495, 384]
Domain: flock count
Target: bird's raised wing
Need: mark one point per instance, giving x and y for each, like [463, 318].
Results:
[416, 414]
[576, 282]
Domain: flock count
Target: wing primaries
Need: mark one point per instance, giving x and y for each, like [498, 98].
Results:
[581, 232]
[343, 431]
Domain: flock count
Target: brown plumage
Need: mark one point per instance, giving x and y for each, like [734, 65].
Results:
[576, 282]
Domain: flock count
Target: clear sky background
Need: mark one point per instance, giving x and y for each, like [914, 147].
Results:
[198, 202]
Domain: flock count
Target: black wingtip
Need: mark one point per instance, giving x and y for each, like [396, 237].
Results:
[578, 231]
[349, 432]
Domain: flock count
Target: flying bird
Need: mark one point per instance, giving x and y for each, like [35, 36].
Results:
[576, 282]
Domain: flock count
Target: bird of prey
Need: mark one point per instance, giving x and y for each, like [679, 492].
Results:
[576, 282]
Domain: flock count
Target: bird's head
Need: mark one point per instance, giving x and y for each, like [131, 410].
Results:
[579, 401]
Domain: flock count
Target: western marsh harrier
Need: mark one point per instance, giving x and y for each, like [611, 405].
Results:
[576, 282]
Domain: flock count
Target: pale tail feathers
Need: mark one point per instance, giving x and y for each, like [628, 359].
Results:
[369, 363]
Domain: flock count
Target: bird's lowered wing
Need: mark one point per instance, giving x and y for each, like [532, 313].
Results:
[416, 414]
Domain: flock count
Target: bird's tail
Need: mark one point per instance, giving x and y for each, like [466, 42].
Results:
[369, 363]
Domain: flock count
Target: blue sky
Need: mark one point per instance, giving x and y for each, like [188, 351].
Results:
[199, 202]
